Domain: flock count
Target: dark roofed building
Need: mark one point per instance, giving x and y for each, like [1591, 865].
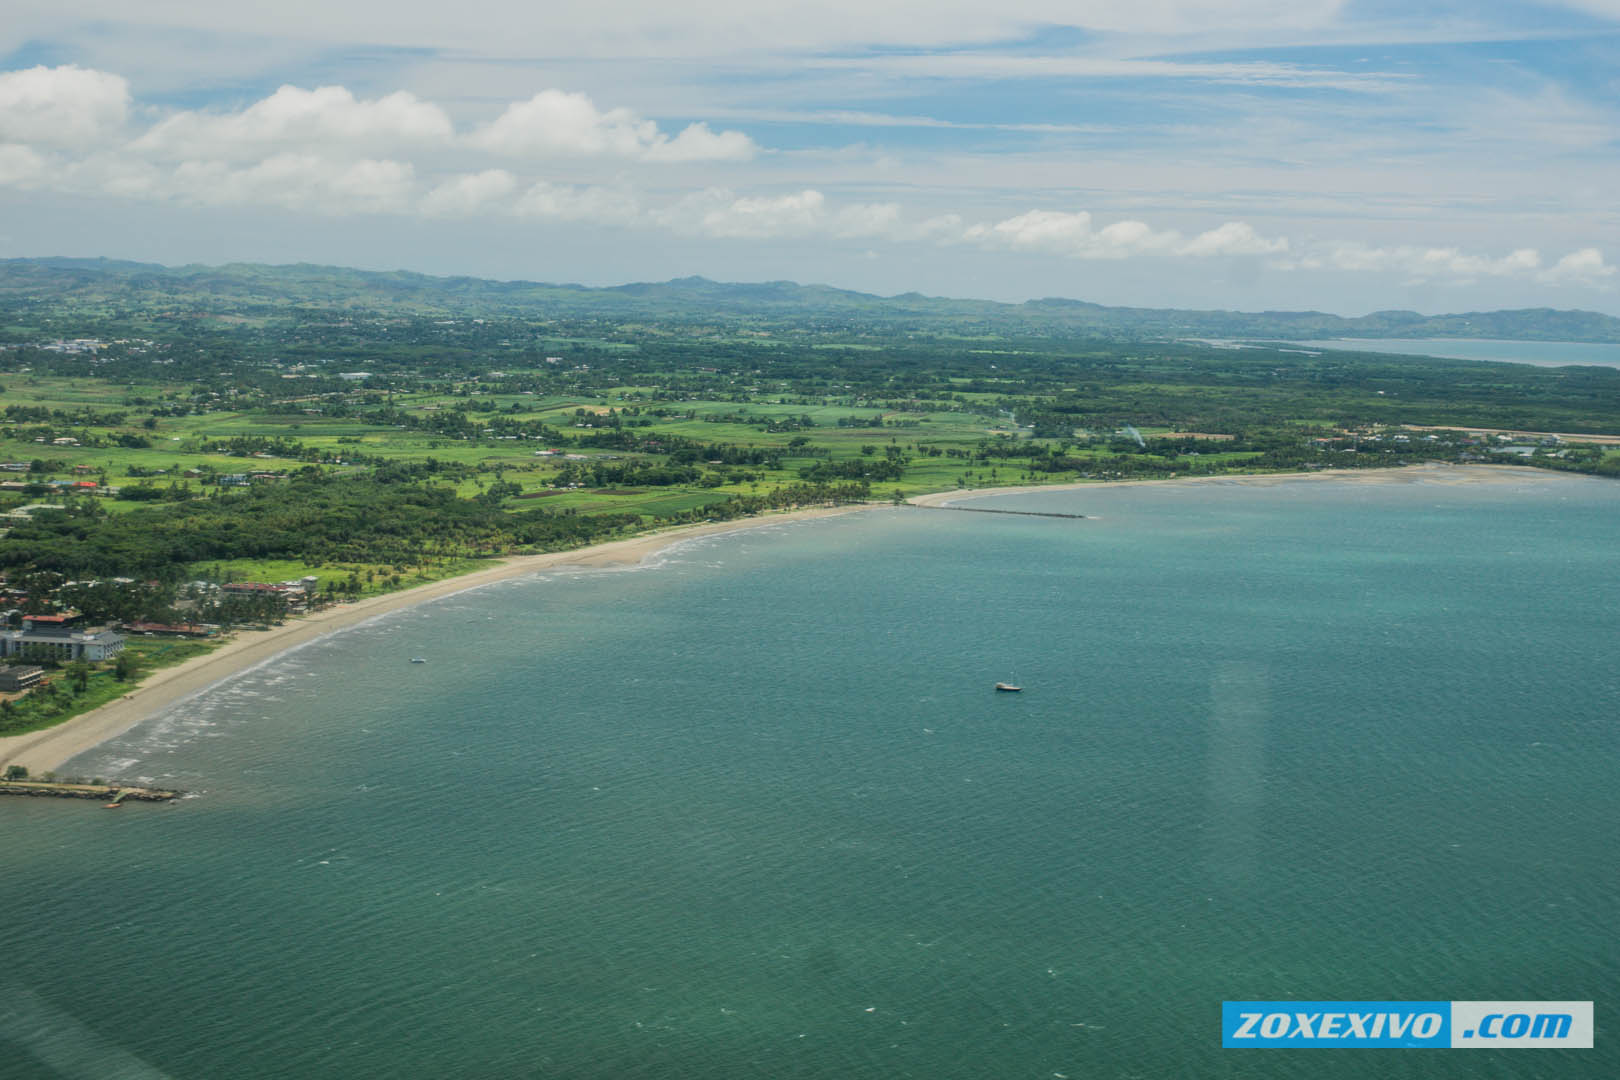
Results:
[18, 677]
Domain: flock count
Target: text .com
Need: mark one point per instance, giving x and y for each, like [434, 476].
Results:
[1482, 1025]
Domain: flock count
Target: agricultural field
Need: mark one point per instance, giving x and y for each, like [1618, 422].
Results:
[373, 448]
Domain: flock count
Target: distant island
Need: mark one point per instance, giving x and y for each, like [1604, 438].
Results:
[227, 288]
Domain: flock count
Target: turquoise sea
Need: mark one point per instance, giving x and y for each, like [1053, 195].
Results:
[754, 810]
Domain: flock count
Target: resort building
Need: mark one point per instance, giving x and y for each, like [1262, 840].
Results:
[294, 594]
[57, 637]
[15, 678]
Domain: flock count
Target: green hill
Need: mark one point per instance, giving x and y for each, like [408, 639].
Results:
[253, 289]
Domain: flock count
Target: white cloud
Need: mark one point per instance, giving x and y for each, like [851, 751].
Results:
[1233, 238]
[1064, 233]
[469, 193]
[581, 203]
[328, 117]
[124, 177]
[298, 182]
[722, 213]
[61, 106]
[1419, 263]
[869, 220]
[1449, 265]
[328, 152]
[697, 142]
[560, 122]
[22, 166]
[1583, 267]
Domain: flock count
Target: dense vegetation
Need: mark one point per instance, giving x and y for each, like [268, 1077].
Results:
[376, 430]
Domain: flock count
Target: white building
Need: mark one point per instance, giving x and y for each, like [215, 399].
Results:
[54, 637]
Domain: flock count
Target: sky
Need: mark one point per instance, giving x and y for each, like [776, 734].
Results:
[1334, 155]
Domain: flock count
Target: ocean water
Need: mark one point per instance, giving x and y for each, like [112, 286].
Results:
[1536, 353]
[755, 810]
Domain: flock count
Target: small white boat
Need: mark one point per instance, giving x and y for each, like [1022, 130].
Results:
[418, 659]
[1008, 688]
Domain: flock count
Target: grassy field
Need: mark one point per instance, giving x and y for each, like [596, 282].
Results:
[178, 443]
[147, 433]
[41, 709]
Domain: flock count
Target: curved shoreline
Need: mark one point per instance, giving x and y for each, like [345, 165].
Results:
[1407, 474]
[49, 749]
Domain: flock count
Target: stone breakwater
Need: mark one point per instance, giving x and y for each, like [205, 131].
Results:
[106, 792]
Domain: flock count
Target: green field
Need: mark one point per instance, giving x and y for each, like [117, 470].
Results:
[676, 412]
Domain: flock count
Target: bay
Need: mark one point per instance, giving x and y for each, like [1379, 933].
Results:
[755, 810]
[1536, 353]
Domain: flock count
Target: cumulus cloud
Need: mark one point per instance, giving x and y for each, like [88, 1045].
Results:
[719, 212]
[1450, 265]
[22, 166]
[1583, 267]
[560, 122]
[332, 120]
[1418, 263]
[1061, 232]
[869, 221]
[326, 151]
[61, 106]
[722, 213]
[330, 117]
[579, 203]
[469, 193]
[1233, 238]
[697, 142]
[299, 182]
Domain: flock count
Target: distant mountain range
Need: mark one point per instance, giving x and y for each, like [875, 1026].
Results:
[245, 288]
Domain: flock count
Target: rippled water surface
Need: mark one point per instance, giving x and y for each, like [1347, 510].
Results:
[755, 810]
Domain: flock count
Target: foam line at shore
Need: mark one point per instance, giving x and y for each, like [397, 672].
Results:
[46, 750]
[43, 751]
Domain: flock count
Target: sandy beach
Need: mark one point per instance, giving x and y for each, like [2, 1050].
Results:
[46, 750]
[42, 751]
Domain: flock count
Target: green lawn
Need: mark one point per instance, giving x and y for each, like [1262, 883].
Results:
[39, 709]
